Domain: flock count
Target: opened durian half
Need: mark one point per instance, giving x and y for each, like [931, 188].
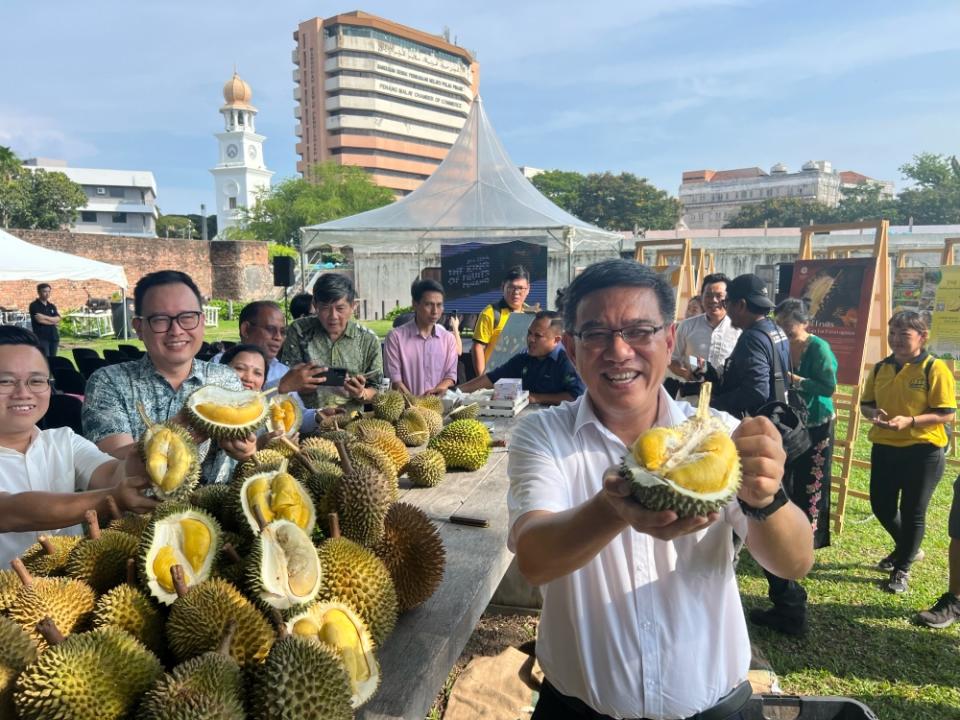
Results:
[184, 536]
[283, 569]
[337, 625]
[171, 457]
[279, 496]
[285, 414]
[692, 468]
[224, 414]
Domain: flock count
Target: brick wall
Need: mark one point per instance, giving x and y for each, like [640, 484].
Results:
[227, 270]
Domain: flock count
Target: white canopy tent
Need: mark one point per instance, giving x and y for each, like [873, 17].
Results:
[26, 261]
[476, 194]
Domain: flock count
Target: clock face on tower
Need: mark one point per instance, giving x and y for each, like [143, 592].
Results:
[252, 152]
[232, 151]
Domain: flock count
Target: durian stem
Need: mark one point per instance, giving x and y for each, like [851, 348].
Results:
[344, 458]
[51, 633]
[179, 584]
[227, 640]
[231, 552]
[20, 569]
[47, 546]
[334, 522]
[299, 454]
[269, 391]
[703, 405]
[278, 622]
[113, 508]
[131, 572]
[93, 524]
[143, 415]
[258, 516]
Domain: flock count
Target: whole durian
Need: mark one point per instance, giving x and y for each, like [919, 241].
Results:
[322, 445]
[464, 444]
[262, 461]
[692, 468]
[48, 556]
[9, 587]
[101, 559]
[388, 405]
[427, 468]
[17, 650]
[412, 427]
[388, 443]
[68, 602]
[429, 402]
[362, 496]
[128, 608]
[98, 675]
[413, 552]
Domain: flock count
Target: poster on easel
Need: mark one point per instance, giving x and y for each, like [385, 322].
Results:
[472, 273]
[934, 292]
[838, 294]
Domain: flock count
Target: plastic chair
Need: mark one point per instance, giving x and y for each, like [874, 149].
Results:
[81, 352]
[115, 356]
[131, 351]
[61, 362]
[90, 365]
[68, 380]
[64, 411]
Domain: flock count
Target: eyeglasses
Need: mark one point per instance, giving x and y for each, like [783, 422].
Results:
[36, 385]
[270, 329]
[517, 288]
[188, 320]
[635, 336]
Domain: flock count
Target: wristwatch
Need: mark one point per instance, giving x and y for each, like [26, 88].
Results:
[779, 500]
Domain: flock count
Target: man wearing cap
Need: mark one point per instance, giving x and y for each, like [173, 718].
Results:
[747, 383]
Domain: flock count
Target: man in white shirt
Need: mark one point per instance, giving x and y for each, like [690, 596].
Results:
[50, 478]
[710, 337]
[641, 612]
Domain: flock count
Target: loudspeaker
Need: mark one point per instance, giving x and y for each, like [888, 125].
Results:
[283, 271]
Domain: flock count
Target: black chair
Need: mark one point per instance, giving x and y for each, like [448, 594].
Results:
[89, 365]
[61, 362]
[131, 351]
[115, 356]
[64, 411]
[205, 356]
[81, 352]
[227, 344]
[68, 380]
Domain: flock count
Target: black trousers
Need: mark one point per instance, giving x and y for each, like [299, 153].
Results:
[553, 705]
[902, 481]
[49, 347]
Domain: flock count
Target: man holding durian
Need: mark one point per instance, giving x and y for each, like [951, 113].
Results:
[641, 612]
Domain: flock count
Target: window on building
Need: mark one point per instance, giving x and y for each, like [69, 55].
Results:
[88, 216]
[101, 191]
[116, 192]
[232, 203]
[119, 218]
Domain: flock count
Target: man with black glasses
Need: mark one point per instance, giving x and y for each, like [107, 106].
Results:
[169, 320]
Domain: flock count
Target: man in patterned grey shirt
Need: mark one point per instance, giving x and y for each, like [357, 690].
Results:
[169, 320]
[332, 339]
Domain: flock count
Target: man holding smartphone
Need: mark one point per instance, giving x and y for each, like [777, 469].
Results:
[333, 341]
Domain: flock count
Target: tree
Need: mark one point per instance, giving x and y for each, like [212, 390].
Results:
[11, 194]
[865, 202]
[334, 191]
[782, 212]
[176, 226]
[613, 202]
[42, 200]
[936, 198]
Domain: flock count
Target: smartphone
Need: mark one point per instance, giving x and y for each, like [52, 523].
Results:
[333, 376]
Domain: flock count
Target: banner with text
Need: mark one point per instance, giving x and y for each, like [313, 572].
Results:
[473, 273]
[934, 292]
[838, 294]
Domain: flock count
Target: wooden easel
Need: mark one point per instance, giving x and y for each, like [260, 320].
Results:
[875, 349]
[683, 279]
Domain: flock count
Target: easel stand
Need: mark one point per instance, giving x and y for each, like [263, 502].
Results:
[684, 279]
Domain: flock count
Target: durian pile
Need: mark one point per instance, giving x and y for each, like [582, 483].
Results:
[266, 597]
[692, 468]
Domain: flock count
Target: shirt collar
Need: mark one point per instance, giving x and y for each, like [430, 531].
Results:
[555, 353]
[34, 434]
[149, 370]
[669, 414]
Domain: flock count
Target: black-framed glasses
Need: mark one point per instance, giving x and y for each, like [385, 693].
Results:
[36, 385]
[188, 320]
[635, 336]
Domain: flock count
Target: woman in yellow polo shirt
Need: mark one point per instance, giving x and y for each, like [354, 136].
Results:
[908, 396]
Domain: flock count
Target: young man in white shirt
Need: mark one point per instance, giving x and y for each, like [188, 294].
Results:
[641, 611]
[50, 478]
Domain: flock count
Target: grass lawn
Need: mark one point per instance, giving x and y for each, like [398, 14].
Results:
[862, 641]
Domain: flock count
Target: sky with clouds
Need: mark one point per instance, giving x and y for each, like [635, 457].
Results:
[653, 87]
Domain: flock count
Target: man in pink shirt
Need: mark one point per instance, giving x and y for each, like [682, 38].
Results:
[421, 356]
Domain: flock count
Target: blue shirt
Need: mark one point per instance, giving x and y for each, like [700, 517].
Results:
[553, 373]
[112, 394]
[748, 378]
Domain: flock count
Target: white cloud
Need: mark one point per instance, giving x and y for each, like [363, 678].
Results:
[31, 135]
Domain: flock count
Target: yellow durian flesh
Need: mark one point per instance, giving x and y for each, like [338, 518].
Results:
[258, 494]
[231, 414]
[285, 414]
[189, 539]
[280, 496]
[196, 542]
[171, 459]
[222, 414]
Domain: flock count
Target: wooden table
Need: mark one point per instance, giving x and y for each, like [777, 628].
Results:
[416, 659]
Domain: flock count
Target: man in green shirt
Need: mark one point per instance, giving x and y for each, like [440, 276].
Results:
[333, 339]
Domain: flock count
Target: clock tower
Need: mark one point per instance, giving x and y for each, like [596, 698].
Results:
[240, 173]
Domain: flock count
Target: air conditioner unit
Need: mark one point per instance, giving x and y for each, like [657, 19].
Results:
[101, 191]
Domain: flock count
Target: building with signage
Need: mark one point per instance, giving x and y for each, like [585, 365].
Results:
[711, 198]
[119, 202]
[379, 95]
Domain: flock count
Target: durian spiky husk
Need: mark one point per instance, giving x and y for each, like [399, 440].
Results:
[413, 552]
[262, 461]
[131, 523]
[9, 587]
[102, 562]
[215, 499]
[464, 444]
[180, 534]
[362, 500]
[38, 562]
[388, 443]
[321, 445]
[69, 603]
[223, 414]
[207, 686]
[98, 675]
[171, 458]
[354, 575]
[692, 468]
[361, 454]
[17, 650]
[429, 402]
[283, 569]
[412, 428]
[128, 608]
[388, 405]
[434, 421]
[338, 626]
[301, 679]
[198, 620]
[427, 468]
[358, 427]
